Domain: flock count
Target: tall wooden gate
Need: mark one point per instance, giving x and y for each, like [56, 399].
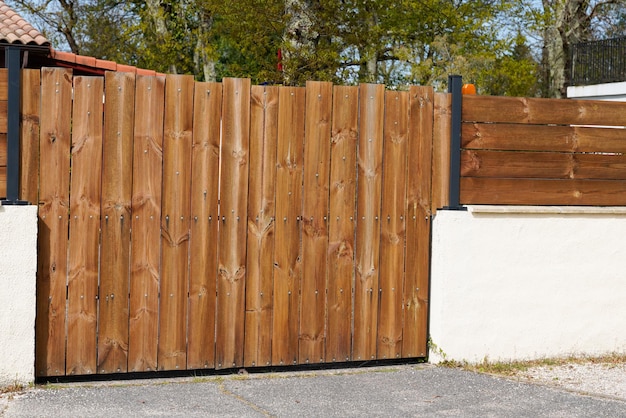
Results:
[188, 225]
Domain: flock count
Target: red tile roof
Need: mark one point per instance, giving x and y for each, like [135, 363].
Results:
[15, 30]
[93, 65]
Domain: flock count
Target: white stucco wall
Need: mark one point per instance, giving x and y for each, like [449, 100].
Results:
[526, 285]
[607, 91]
[18, 267]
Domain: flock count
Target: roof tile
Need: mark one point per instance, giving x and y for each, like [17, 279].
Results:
[106, 65]
[126, 68]
[15, 30]
[85, 60]
[63, 56]
[141, 71]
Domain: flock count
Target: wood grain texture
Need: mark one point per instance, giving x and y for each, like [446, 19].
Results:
[4, 116]
[204, 222]
[518, 137]
[175, 222]
[506, 164]
[261, 212]
[418, 215]
[232, 233]
[30, 106]
[475, 190]
[542, 111]
[116, 198]
[393, 225]
[53, 222]
[84, 238]
[441, 151]
[3, 181]
[287, 250]
[344, 135]
[146, 220]
[3, 150]
[369, 189]
[4, 83]
[315, 221]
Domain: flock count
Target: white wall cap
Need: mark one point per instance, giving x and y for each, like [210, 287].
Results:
[560, 210]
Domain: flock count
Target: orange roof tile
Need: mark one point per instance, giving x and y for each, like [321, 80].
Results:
[15, 30]
[126, 68]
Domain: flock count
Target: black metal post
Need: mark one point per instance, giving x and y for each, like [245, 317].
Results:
[12, 60]
[455, 85]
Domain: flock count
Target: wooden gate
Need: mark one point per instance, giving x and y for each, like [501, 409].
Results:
[187, 225]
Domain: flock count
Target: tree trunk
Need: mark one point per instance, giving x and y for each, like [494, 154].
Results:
[568, 22]
[204, 62]
[156, 13]
[299, 38]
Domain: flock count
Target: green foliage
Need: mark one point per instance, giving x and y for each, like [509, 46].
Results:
[351, 41]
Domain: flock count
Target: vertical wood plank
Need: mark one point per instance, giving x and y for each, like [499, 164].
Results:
[232, 233]
[418, 213]
[393, 224]
[315, 221]
[53, 222]
[344, 135]
[30, 103]
[117, 165]
[175, 222]
[287, 250]
[204, 224]
[4, 83]
[146, 222]
[261, 212]
[441, 151]
[369, 183]
[84, 235]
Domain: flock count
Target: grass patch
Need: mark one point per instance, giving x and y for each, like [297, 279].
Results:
[12, 388]
[513, 368]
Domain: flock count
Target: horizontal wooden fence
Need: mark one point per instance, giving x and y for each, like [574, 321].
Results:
[188, 225]
[527, 151]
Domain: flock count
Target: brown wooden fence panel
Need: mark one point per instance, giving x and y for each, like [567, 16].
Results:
[54, 202]
[4, 116]
[29, 132]
[392, 234]
[418, 216]
[269, 224]
[315, 221]
[175, 223]
[287, 249]
[518, 137]
[542, 111]
[510, 164]
[117, 174]
[441, 151]
[343, 143]
[543, 191]
[204, 210]
[146, 220]
[261, 213]
[4, 84]
[232, 234]
[528, 152]
[84, 238]
[369, 189]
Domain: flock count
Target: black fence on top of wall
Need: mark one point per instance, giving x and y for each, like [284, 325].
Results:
[598, 62]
